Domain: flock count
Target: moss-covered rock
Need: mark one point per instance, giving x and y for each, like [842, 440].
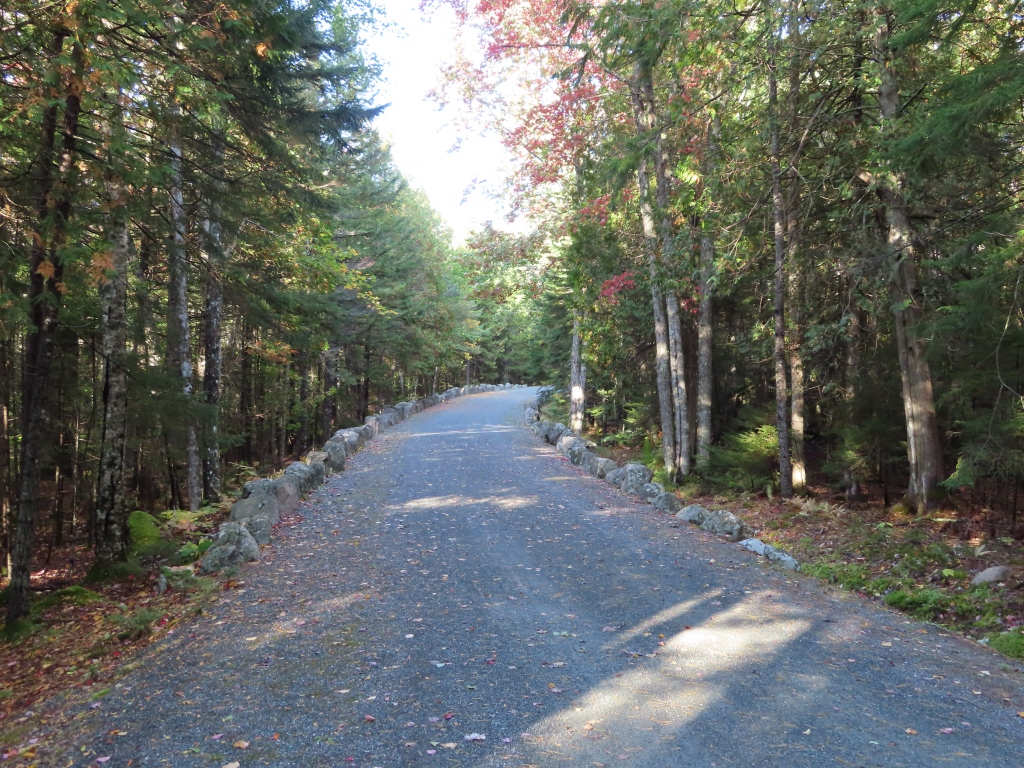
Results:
[147, 538]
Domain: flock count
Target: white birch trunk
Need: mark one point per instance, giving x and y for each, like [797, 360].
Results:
[578, 380]
[179, 351]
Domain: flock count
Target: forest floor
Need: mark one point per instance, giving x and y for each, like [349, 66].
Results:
[88, 640]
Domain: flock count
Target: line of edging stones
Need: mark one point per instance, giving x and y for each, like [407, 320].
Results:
[265, 501]
[636, 479]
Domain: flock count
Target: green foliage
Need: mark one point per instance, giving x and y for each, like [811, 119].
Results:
[74, 595]
[184, 580]
[747, 459]
[556, 408]
[147, 537]
[136, 624]
[1011, 643]
[190, 551]
[925, 603]
[101, 573]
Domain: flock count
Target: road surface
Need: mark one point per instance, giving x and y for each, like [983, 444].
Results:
[462, 596]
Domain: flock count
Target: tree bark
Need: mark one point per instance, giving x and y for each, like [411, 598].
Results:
[179, 351]
[212, 226]
[578, 380]
[792, 214]
[111, 520]
[6, 343]
[705, 383]
[924, 448]
[778, 220]
[673, 317]
[46, 271]
[854, 491]
[663, 370]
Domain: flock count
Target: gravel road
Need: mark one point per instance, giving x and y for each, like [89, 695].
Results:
[462, 596]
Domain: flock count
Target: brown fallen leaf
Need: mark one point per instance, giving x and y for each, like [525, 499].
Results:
[369, 718]
[231, 765]
[449, 745]
[910, 732]
[241, 744]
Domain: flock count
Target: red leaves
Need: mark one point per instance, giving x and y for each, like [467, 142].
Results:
[612, 287]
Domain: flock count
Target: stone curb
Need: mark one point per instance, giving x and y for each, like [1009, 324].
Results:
[265, 501]
[635, 479]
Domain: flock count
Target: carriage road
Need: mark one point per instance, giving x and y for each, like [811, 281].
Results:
[462, 596]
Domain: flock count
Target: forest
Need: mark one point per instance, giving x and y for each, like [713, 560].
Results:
[788, 235]
[774, 248]
[208, 261]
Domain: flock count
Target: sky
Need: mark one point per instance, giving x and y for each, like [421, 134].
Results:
[457, 169]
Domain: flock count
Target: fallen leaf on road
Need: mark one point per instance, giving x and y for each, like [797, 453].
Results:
[241, 744]
[945, 730]
[449, 745]
[475, 737]
[910, 732]
[431, 751]
[217, 736]
[231, 765]
[369, 718]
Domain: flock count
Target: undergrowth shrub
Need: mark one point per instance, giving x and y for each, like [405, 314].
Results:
[747, 459]
[135, 625]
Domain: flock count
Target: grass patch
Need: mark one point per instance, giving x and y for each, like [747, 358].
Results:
[18, 631]
[926, 603]
[67, 596]
[1011, 643]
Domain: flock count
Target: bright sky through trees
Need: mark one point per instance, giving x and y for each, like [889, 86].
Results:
[458, 169]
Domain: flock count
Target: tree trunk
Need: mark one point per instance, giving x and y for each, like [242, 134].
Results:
[578, 380]
[673, 317]
[663, 370]
[6, 379]
[778, 219]
[111, 521]
[924, 449]
[792, 200]
[705, 383]
[46, 271]
[179, 352]
[302, 437]
[854, 492]
[213, 241]
[67, 362]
